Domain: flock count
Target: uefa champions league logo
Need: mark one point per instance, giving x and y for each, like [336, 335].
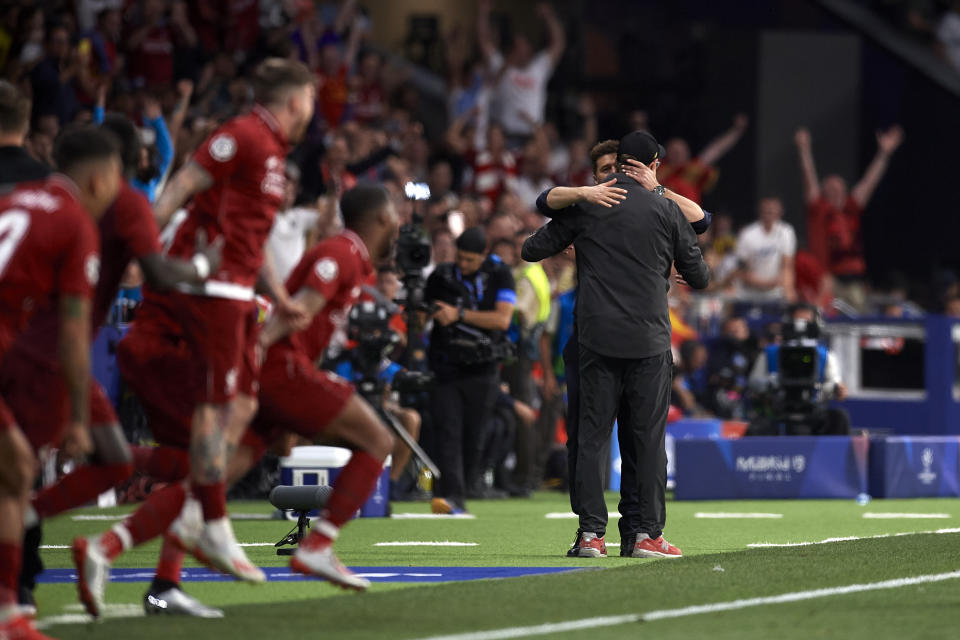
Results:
[927, 476]
[799, 463]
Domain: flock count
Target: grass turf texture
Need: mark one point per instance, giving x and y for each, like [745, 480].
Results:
[516, 533]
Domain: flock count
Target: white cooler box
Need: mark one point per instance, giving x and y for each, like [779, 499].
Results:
[321, 465]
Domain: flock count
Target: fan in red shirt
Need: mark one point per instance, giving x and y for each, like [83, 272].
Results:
[494, 168]
[692, 177]
[32, 380]
[833, 214]
[332, 90]
[237, 178]
[49, 256]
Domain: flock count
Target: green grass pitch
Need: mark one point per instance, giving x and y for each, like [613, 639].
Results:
[718, 567]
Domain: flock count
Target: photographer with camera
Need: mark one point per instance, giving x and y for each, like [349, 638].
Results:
[794, 379]
[474, 299]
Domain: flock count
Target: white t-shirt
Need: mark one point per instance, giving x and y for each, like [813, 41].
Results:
[288, 240]
[763, 252]
[527, 190]
[521, 91]
[948, 33]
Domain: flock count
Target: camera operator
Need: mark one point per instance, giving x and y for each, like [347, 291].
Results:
[795, 378]
[474, 298]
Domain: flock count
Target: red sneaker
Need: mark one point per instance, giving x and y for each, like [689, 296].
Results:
[647, 547]
[593, 548]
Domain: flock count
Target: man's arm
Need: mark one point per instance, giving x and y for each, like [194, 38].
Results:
[647, 179]
[153, 117]
[558, 39]
[484, 38]
[811, 184]
[558, 198]
[281, 325]
[498, 319]
[186, 182]
[887, 143]
[549, 240]
[163, 272]
[686, 253]
[722, 144]
[74, 352]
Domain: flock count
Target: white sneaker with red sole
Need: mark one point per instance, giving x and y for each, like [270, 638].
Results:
[322, 563]
[93, 571]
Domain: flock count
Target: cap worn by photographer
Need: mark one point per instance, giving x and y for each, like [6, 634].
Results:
[472, 240]
[640, 145]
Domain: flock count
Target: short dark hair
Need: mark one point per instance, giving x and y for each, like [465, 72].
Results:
[500, 242]
[14, 109]
[81, 145]
[602, 148]
[360, 204]
[275, 76]
[128, 137]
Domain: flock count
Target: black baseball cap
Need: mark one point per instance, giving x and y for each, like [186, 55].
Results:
[642, 146]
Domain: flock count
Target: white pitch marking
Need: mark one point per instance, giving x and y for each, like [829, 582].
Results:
[109, 611]
[54, 546]
[762, 545]
[424, 544]
[433, 516]
[903, 516]
[609, 621]
[242, 544]
[734, 515]
[108, 517]
[570, 515]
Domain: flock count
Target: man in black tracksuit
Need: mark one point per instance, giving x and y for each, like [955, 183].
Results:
[625, 251]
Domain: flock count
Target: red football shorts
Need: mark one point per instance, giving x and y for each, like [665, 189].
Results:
[36, 394]
[295, 396]
[159, 366]
[217, 332]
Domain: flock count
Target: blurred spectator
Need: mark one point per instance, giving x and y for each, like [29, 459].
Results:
[535, 177]
[765, 250]
[690, 379]
[334, 68]
[951, 307]
[493, 167]
[728, 369]
[833, 214]
[54, 79]
[948, 35]
[151, 44]
[692, 177]
[520, 96]
[289, 236]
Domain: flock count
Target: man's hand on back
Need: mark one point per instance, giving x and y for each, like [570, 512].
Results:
[604, 194]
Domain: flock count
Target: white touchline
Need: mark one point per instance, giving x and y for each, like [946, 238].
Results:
[425, 544]
[108, 517]
[433, 516]
[570, 515]
[761, 545]
[904, 516]
[609, 621]
[735, 515]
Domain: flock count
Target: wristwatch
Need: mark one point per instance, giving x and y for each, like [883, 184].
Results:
[660, 190]
[460, 314]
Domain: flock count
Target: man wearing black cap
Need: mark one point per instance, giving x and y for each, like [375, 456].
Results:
[550, 240]
[474, 298]
[625, 251]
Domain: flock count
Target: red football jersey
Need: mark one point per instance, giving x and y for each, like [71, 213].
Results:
[246, 158]
[337, 268]
[127, 230]
[48, 247]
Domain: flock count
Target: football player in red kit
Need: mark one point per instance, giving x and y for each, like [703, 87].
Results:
[237, 182]
[31, 380]
[49, 255]
[294, 396]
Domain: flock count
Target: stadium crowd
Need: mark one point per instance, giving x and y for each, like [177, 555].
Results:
[181, 69]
